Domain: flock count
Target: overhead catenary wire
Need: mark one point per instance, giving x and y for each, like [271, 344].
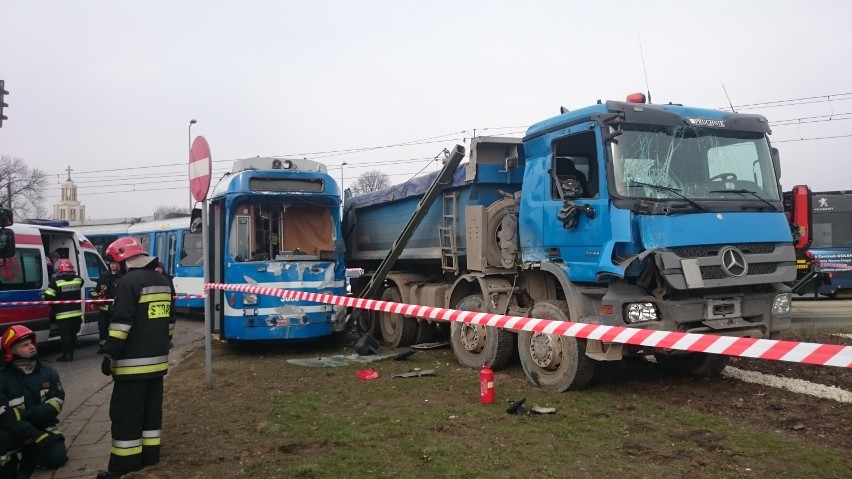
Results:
[135, 182]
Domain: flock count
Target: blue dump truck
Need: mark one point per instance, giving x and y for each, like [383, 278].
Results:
[663, 217]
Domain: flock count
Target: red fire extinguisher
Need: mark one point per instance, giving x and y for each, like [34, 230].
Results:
[486, 384]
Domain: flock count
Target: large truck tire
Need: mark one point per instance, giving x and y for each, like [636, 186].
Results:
[368, 323]
[397, 329]
[475, 345]
[551, 362]
[699, 364]
[425, 331]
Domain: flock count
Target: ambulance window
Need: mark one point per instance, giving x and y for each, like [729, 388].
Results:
[22, 271]
[94, 265]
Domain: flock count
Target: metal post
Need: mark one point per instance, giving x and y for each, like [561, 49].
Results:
[189, 152]
[208, 314]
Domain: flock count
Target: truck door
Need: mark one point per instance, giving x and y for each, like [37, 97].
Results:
[577, 153]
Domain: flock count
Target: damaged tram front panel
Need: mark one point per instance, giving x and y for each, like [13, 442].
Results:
[275, 223]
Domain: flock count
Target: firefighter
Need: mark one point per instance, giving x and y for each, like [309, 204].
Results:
[105, 289]
[66, 285]
[31, 398]
[137, 357]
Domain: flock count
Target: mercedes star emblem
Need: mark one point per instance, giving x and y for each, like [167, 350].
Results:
[734, 263]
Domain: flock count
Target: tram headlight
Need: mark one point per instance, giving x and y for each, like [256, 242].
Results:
[249, 299]
[641, 312]
[782, 303]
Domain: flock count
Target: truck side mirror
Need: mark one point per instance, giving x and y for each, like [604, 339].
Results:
[776, 162]
[7, 243]
[195, 224]
[6, 217]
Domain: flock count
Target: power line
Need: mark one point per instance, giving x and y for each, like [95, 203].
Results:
[175, 169]
[811, 139]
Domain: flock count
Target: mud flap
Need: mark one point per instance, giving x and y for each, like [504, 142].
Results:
[600, 351]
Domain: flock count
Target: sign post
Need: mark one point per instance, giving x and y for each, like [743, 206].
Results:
[200, 166]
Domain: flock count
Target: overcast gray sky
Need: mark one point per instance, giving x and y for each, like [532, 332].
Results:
[109, 87]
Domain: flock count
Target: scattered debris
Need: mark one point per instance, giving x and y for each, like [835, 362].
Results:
[438, 345]
[338, 360]
[415, 373]
[366, 345]
[543, 410]
[517, 407]
[367, 374]
[404, 354]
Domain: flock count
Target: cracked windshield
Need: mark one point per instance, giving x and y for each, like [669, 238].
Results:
[665, 162]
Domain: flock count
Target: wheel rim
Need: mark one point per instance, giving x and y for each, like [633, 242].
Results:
[472, 337]
[546, 351]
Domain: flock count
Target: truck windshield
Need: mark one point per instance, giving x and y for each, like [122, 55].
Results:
[664, 162]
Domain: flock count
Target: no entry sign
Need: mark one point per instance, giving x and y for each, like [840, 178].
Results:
[200, 166]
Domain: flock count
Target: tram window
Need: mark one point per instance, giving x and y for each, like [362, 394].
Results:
[191, 253]
[241, 238]
[306, 230]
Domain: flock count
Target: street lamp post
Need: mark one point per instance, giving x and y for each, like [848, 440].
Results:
[342, 199]
[189, 152]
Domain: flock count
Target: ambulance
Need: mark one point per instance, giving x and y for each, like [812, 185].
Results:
[25, 269]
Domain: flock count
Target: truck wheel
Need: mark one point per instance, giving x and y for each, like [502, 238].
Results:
[425, 332]
[554, 363]
[699, 364]
[397, 329]
[368, 323]
[474, 345]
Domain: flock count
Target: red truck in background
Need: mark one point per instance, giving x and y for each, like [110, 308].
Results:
[810, 277]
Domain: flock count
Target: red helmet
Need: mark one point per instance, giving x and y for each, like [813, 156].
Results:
[64, 266]
[124, 248]
[12, 336]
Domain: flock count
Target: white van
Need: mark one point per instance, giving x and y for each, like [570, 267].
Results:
[25, 274]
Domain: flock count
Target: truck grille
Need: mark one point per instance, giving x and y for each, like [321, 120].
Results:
[715, 272]
[702, 251]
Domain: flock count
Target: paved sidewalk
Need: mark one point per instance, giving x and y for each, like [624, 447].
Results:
[87, 436]
[87, 428]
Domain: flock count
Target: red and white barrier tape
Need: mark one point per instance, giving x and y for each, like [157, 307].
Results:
[791, 351]
[64, 301]
[78, 301]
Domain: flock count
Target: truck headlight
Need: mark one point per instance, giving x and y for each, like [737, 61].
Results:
[782, 303]
[249, 298]
[641, 312]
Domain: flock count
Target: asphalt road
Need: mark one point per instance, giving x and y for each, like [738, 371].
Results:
[822, 313]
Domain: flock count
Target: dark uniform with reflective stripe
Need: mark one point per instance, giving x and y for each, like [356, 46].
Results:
[105, 289]
[29, 407]
[69, 317]
[139, 335]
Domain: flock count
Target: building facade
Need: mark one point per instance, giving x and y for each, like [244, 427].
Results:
[69, 208]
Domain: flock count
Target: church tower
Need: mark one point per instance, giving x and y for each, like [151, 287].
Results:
[68, 208]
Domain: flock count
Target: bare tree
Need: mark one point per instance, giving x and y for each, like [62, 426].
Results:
[370, 181]
[22, 188]
[163, 210]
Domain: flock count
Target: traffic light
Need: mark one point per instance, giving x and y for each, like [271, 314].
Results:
[3, 104]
